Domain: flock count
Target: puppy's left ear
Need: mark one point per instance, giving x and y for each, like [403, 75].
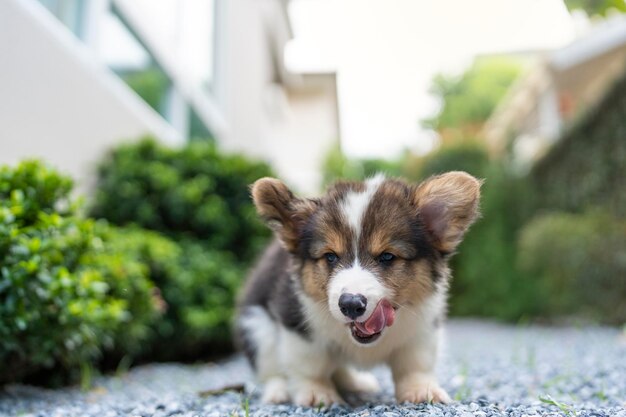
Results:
[448, 205]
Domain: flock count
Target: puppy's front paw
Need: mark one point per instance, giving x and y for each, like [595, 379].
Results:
[275, 391]
[423, 392]
[365, 383]
[349, 379]
[316, 394]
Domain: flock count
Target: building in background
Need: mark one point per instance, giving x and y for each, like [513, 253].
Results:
[79, 76]
[556, 92]
[289, 119]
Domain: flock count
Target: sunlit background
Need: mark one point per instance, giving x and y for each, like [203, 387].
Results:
[278, 80]
[163, 112]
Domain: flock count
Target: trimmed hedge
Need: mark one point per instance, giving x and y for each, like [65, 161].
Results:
[197, 288]
[201, 299]
[578, 263]
[194, 192]
[66, 294]
[75, 292]
[199, 198]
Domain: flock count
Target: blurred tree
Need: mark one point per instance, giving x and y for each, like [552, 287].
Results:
[468, 100]
[338, 166]
[596, 7]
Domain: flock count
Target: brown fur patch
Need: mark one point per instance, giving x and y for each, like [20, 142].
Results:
[410, 281]
[389, 223]
[331, 233]
[315, 279]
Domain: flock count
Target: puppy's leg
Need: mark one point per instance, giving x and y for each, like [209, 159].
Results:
[349, 379]
[259, 334]
[310, 368]
[275, 390]
[413, 372]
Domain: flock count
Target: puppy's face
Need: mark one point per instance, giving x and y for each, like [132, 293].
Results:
[368, 249]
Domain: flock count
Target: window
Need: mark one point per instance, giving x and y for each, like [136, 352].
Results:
[185, 31]
[69, 12]
[128, 32]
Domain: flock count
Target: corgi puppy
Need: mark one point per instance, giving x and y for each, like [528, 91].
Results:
[355, 278]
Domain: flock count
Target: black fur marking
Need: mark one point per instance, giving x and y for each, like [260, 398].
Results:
[436, 271]
[270, 286]
[307, 236]
[421, 242]
[286, 307]
[244, 342]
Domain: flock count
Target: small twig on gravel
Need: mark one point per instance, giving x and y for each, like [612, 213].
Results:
[219, 391]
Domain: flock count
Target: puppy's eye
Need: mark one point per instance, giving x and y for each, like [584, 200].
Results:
[386, 258]
[331, 258]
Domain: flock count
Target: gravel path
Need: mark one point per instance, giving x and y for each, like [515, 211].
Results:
[489, 369]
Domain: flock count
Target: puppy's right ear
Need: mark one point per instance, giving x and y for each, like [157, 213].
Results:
[283, 212]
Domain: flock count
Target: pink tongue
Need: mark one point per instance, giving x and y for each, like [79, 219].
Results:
[383, 315]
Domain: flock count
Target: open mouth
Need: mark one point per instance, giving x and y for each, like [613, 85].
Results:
[370, 330]
[361, 337]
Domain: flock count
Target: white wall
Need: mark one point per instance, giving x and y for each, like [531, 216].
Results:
[307, 131]
[286, 119]
[57, 102]
[245, 71]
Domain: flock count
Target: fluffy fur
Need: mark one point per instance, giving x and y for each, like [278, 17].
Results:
[383, 239]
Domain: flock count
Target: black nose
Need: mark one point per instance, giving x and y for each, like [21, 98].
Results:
[352, 305]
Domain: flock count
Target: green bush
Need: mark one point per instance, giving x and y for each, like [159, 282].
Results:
[74, 291]
[194, 192]
[579, 263]
[65, 294]
[197, 288]
[200, 199]
[144, 259]
[201, 297]
[468, 100]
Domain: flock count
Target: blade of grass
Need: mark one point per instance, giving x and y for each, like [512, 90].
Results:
[565, 408]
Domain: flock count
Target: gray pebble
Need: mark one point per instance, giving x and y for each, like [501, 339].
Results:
[490, 369]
